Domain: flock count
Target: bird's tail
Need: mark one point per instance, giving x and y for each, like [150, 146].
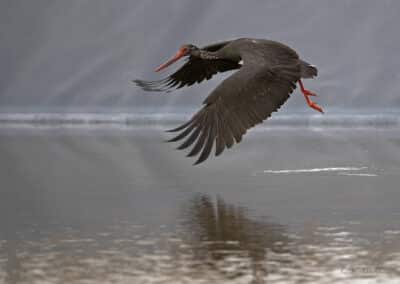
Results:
[308, 70]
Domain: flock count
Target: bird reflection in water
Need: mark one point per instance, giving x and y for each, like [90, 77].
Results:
[227, 240]
[214, 242]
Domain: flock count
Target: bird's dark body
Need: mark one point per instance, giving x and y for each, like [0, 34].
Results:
[267, 74]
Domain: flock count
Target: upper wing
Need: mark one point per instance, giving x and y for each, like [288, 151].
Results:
[240, 102]
[194, 70]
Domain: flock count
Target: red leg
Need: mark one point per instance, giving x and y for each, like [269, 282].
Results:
[307, 94]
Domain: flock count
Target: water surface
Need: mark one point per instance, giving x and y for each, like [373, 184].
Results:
[114, 204]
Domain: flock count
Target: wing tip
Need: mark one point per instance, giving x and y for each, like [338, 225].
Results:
[198, 162]
[176, 129]
[163, 85]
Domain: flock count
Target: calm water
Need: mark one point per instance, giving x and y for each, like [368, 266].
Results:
[117, 205]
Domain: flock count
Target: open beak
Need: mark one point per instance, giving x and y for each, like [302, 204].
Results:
[175, 58]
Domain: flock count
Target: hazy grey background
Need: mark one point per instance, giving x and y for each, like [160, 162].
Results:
[83, 53]
[316, 200]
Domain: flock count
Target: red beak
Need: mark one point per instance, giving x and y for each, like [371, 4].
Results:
[176, 57]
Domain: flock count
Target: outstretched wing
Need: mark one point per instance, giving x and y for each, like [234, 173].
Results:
[195, 70]
[240, 102]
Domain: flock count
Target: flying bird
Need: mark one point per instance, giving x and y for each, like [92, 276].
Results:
[268, 72]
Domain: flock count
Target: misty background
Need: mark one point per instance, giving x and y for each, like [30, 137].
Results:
[83, 54]
[90, 192]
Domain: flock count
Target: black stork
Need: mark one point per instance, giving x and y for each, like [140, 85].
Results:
[267, 74]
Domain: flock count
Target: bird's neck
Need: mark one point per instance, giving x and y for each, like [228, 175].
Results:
[208, 55]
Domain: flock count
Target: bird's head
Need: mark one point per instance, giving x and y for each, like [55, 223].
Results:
[184, 50]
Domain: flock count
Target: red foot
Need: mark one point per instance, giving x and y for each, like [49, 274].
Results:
[307, 94]
[315, 106]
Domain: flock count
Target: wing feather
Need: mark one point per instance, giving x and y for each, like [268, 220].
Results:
[219, 139]
[200, 142]
[209, 144]
[242, 101]
[195, 70]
